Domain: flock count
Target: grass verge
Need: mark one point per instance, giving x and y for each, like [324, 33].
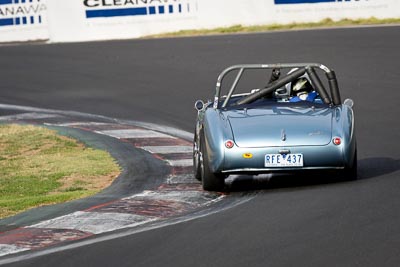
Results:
[39, 167]
[276, 27]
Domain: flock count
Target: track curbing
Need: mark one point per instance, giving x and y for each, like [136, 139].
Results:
[177, 196]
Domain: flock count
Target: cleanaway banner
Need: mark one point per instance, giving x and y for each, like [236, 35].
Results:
[23, 20]
[118, 19]
[87, 20]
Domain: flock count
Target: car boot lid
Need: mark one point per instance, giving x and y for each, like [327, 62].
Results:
[281, 127]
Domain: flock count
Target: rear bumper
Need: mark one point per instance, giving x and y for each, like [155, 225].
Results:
[237, 160]
[282, 170]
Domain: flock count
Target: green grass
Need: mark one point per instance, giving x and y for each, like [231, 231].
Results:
[275, 27]
[39, 167]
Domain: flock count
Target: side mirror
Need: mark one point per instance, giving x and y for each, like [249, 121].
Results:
[199, 105]
[349, 102]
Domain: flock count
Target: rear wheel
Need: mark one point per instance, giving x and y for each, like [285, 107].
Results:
[211, 181]
[350, 173]
[196, 158]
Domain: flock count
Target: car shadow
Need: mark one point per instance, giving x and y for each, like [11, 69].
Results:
[367, 168]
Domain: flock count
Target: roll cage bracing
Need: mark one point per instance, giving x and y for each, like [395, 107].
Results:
[301, 69]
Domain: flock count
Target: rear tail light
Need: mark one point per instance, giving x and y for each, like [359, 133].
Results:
[229, 144]
[337, 141]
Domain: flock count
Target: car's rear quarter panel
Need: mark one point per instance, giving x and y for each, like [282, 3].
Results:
[215, 129]
[343, 126]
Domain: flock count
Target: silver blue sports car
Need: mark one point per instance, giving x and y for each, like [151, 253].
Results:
[290, 124]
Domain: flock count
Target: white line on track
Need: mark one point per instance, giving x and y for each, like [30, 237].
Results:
[28, 116]
[9, 249]
[133, 133]
[81, 123]
[94, 222]
[182, 178]
[190, 197]
[181, 162]
[168, 149]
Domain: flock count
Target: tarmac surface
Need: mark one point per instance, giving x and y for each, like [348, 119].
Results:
[290, 221]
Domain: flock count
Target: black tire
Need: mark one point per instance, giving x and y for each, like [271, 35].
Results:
[196, 158]
[210, 180]
[350, 174]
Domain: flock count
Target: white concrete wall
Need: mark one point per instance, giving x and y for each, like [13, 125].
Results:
[85, 20]
[23, 20]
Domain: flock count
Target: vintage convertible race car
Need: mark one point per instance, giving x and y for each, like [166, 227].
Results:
[291, 124]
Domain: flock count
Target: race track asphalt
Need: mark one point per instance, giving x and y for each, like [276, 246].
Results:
[290, 222]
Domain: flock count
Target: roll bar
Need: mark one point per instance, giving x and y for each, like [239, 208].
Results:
[309, 68]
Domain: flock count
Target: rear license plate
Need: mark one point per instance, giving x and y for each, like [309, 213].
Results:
[288, 160]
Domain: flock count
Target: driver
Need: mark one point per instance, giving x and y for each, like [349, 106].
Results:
[302, 90]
